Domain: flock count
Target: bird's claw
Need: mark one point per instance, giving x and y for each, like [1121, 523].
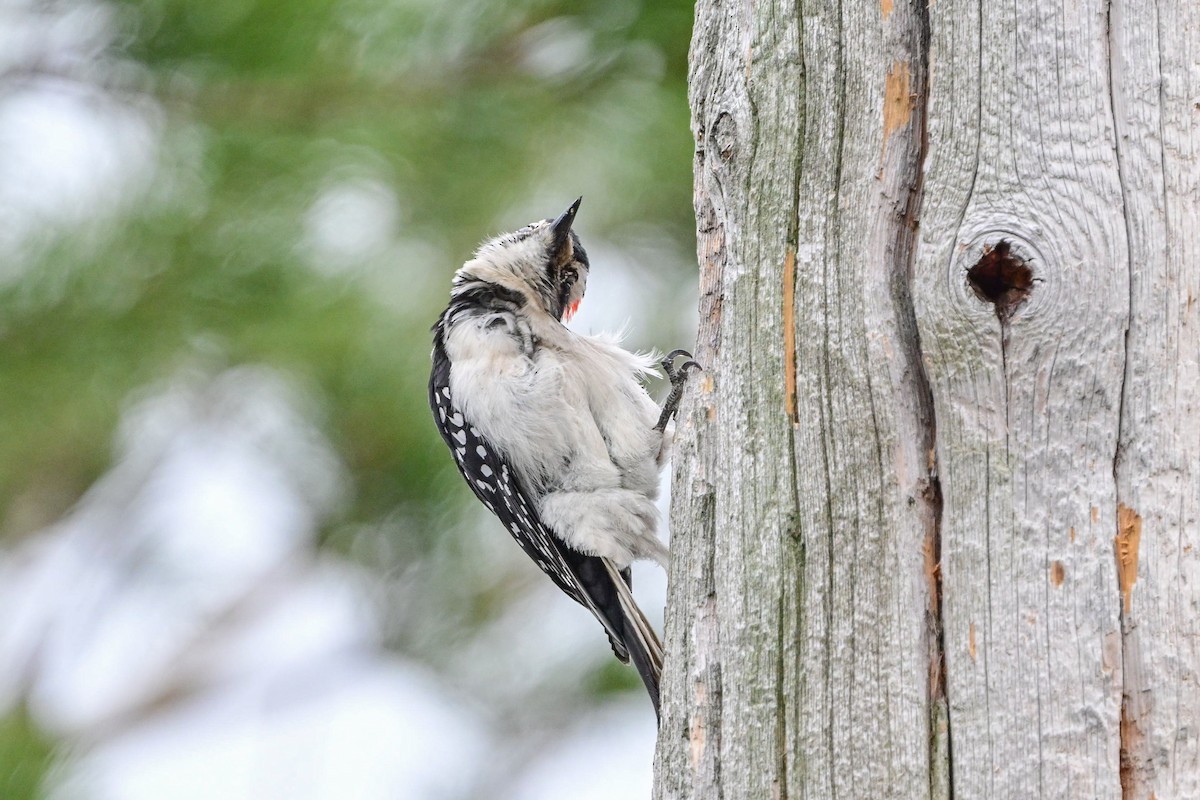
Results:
[678, 377]
[678, 374]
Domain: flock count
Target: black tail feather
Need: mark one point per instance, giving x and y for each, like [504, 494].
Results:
[629, 633]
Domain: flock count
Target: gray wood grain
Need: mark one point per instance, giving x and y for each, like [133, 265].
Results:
[1156, 94]
[906, 555]
[799, 626]
[1021, 147]
[733, 481]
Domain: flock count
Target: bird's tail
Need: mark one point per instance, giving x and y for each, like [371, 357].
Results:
[640, 641]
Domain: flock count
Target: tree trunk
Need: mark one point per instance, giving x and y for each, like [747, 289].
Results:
[936, 506]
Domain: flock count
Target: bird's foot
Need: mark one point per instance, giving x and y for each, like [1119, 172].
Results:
[678, 377]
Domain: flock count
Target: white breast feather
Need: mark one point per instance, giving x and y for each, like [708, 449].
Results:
[574, 422]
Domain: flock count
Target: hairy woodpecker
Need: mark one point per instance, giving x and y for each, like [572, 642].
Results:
[552, 430]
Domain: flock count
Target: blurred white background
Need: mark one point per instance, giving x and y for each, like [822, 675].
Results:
[235, 561]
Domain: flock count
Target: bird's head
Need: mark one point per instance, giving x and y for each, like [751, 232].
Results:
[544, 261]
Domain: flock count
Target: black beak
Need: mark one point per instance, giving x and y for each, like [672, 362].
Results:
[562, 228]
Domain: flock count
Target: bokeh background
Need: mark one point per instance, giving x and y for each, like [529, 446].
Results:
[235, 559]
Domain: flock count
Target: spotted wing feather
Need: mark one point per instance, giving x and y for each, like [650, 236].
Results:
[589, 580]
[492, 480]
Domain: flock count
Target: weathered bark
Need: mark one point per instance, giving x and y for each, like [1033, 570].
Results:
[897, 569]
[1156, 100]
[1022, 149]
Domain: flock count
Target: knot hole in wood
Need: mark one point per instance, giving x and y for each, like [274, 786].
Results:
[999, 270]
[1001, 277]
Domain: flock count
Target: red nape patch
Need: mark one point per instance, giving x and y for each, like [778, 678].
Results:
[570, 310]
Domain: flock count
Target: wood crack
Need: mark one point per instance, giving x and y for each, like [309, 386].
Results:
[1131, 762]
[941, 784]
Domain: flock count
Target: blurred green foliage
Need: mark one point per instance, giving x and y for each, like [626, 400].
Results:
[472, 117]
[272, 129]
[26, 755]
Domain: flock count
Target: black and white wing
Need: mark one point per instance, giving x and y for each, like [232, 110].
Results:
[591, 581]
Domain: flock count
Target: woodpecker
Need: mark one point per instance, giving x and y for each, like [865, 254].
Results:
[553, 430]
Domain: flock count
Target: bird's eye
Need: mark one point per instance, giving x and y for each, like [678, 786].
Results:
[570, 275]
